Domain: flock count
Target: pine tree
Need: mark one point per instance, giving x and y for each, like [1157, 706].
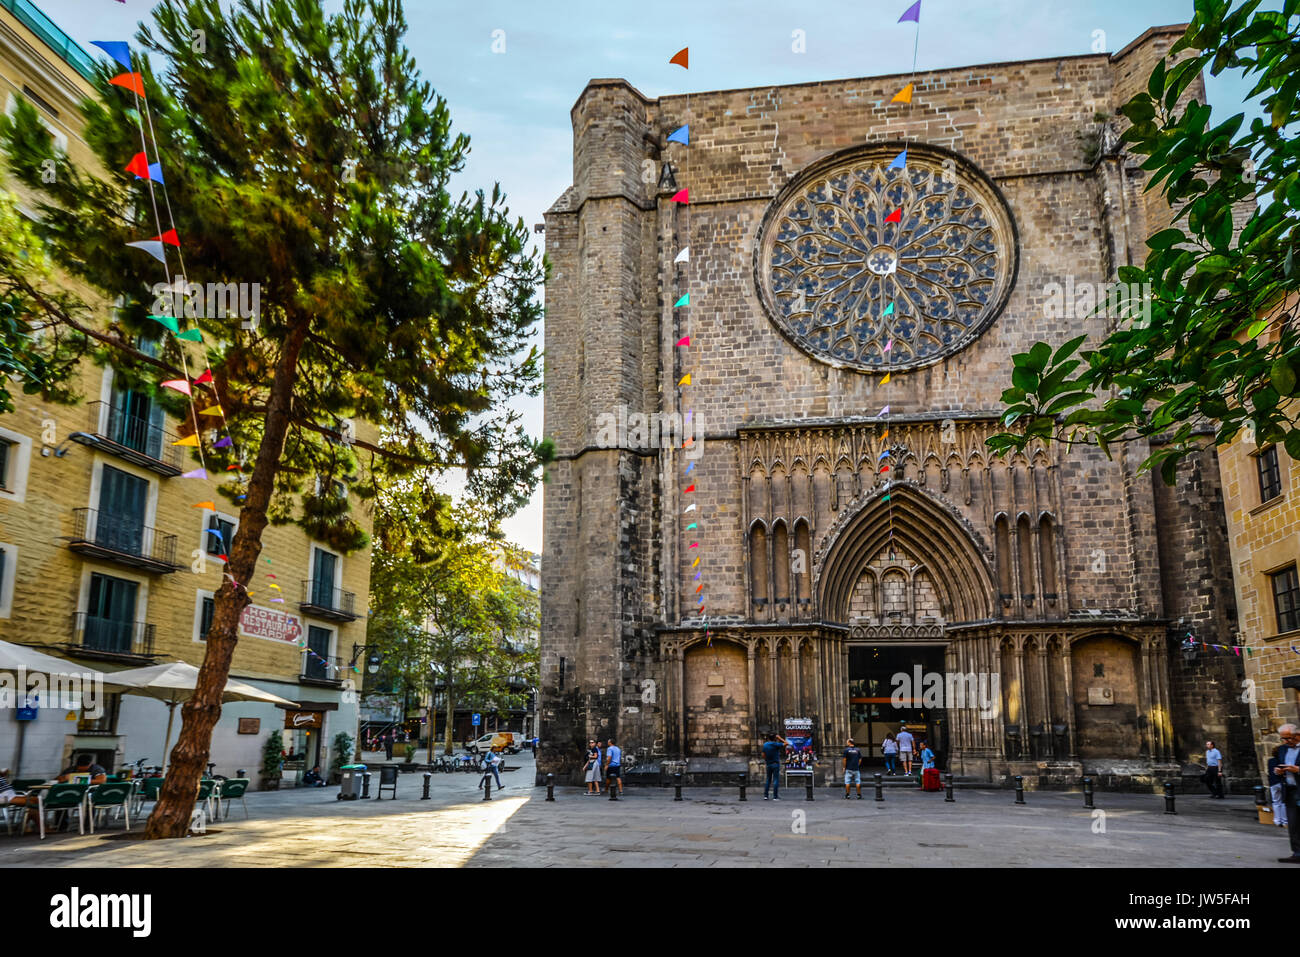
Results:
[302, 152]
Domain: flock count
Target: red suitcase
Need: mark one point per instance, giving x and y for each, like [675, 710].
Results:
[930, 780]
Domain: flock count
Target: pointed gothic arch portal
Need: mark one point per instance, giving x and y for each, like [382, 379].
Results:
[929, 573]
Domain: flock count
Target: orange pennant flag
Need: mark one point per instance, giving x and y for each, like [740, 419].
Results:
[904, 95]
[130, 81]
[682, 58]
[190, 440]
[211, 505]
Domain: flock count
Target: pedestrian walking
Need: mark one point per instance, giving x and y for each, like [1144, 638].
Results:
[388, 745]
[890, 748]
[905, 749]
[492, 766]
[1277, 792]
[772, 760]
[592, 768]
[852, 768]
[1214, 770]
[614, 766]
[1288, 768]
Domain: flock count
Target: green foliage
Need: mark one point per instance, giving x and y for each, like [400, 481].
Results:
[1221, 350]
[271, 757]
[342, 750]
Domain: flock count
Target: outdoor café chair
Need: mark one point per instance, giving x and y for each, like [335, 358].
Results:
[60, 797]
[230, 790]
[148, 791]
[205, 795]
[105, 797]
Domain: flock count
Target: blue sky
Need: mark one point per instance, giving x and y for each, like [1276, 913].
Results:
[515, 105]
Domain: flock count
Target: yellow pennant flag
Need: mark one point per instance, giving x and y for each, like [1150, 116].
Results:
[686, 379]
[190, 440]
[694, 563]
[211, 410]
[904, 95]
[885, 380]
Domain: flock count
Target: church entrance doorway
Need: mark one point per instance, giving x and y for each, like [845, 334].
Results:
[888, 689]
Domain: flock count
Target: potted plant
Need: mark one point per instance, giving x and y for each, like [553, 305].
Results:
[342, 754]
[272, 761]
[410, 751]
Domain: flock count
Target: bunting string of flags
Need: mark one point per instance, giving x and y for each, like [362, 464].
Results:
[151, 174]
[912, 13]
[682, 197]
[1190, 642]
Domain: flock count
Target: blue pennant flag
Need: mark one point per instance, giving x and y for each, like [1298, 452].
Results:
[117, 49]
[680, 135]
[900, 161]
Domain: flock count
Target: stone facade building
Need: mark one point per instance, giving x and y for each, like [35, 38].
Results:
[1048, 593]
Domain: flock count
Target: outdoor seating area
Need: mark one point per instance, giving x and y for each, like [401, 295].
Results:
[50, 804]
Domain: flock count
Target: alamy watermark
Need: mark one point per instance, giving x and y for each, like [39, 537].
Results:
[1105, 300]
[650, 430]
[215, 300]
[933, 689]
[65, 692]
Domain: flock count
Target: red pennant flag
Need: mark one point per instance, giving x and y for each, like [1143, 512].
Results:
[139, 165]
[684, 341]
[205, 378]
[232, 468]
[690, 488]
[682, 196]
[896, 216]
[131, 81]
[169, 237]
[682, 58]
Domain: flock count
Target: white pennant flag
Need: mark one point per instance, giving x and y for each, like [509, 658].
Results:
[689, 508]
[684, 256]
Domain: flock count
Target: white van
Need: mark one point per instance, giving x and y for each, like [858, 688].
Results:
[496, 741]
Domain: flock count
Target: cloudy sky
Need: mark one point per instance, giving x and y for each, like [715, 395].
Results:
[515, 104]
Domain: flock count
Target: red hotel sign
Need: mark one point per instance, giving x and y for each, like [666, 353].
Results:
[257, 622]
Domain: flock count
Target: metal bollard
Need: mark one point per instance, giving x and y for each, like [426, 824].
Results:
[1169, 798]
[550, 787]
[808, 789]
[742, 786]
[1020, 789]
[1260, 798]
[948, 798]
[1087, 793]
[612, 784]
[880, 787]
[365, 784]
[487, 787]
[425, 795]
[677, 786]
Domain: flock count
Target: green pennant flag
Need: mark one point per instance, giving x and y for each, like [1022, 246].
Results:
[684, 301]
[190, 335]
[168, 321]
[889, 310]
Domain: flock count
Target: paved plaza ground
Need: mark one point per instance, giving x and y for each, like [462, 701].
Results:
[310, 828]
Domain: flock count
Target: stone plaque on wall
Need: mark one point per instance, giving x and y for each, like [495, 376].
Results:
[1101, 696]
[716, 681]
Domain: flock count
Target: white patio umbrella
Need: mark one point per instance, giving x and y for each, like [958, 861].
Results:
[14, 657]
[174, 684]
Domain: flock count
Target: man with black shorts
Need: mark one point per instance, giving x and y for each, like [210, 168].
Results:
[852, 769]
[614, 766]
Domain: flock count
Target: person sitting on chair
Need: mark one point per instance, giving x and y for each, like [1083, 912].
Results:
[312, 778]
[8, 795]
[85, 764]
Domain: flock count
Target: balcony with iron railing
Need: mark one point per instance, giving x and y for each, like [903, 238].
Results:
[321, 599]
[323, 670]
[133, 438]
[122, 539]
[98, 637]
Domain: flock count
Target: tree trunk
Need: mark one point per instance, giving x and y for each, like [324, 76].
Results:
[448, 747]
[171, 813]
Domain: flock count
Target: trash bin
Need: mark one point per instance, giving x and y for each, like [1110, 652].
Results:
[350, 786]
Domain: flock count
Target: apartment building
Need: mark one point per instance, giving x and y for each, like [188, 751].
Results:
[106, 561]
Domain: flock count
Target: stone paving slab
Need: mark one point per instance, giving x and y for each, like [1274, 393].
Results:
[711, 828]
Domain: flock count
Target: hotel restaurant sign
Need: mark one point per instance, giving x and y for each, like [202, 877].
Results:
[259, 622]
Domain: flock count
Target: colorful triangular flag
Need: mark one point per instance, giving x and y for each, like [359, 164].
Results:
[912, 13]
[197, 473]
[904, 95]
[191, 440]
[684, 341]
[896, 216]
[682, 196]
[690, 488]
[692, 525]
[223, 443]
[889, 310]
[211, 410]
[682, 58]
[190, 335]
[129, 81]
[211, 505]
[884, 411]
[685, 380]
[885, 380]
[169, 237]
[154, 249]
[117, 49]
[900, 161]
[689, 508]
[688, 469]
[680, 135]
[180, 385]
[168, 321]
[205, 378]
[155, 174]
[684, 301]
[139, 165]
[684, 256]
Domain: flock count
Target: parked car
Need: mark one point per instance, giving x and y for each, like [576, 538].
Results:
[506, 741]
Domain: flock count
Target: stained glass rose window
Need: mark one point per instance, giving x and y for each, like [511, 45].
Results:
[829, 264]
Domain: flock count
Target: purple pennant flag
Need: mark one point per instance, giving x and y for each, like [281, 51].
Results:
[223, 443]
[117, 49]
[913, 13]
[884, 411]
[197, 473]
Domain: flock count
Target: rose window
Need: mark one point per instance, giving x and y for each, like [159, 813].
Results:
[830, 265]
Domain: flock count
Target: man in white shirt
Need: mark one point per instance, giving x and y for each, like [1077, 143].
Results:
[905, 749]
[1214, 770]
[1288, 766]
